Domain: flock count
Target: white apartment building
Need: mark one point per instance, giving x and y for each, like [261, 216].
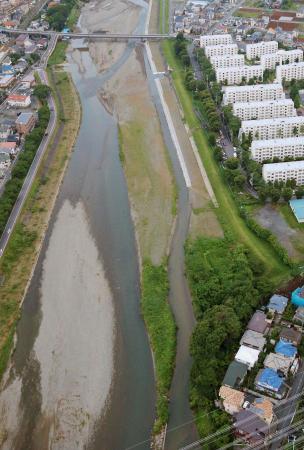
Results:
[282, 127]
[290, 71]
[215, 39]
[221, 50]
[257, 92]
[227, 61]
[270, 60]
[235, 75]
[284, 171]
[264, 110]
[261, 48]
[277, 148]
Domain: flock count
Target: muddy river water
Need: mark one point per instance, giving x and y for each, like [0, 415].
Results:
[82, 373]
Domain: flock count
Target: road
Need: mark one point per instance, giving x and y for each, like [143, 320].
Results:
[38, 157]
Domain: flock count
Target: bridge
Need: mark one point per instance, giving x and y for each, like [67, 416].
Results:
[102, 36]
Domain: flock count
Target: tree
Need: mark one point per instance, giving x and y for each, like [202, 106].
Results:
[299, 192]
[42, 91]
[287, 194]
[232, 163]
[275, 195]
[239, 181]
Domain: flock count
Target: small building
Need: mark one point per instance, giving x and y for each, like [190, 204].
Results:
[258, 323]
[297, 206]
[278, 362]
[6, 81]
[269, 380]
[235, 374]
[5, 161]
[19, 100]
[5, 131]
[250, 427]
[28, 81]
[247, 355]
[25, 122]
[297, 297]
[232, 399]
[253, 339]
[299, 315]
[291, 335]
[8, 147]
[277, 304]
[285, 349]
[21, 39]
[263, 408]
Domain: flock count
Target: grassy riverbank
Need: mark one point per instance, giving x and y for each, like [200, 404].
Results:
[19, 259]
[162, 333]
[227, 212]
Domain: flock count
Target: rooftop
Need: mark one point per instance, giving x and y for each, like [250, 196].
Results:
[255, 145]
[24, 117]
[232, 396]
[247, 355]
[276, 361]
[278, 167]
[235, 374]
[258, 322]
[285, 348]
[264, 103]
[278, 303]
[269, 379]
[253, 339]
[249, 423]
[274, 121]
[263, 408]
[254, 87]
[291, 335]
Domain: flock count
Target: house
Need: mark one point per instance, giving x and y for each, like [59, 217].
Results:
[235, 374]
[20, 66]
[5, 131]
[28, 81]
[253, 339]
[250, 427]
[299, 314]
[278, 362]
[7, 69]
[25, 122]
[232, 399]
[291, 335]
[285, 349]
[8, 147]
[297, 297]
[258, 323]
[277, 304]
[247, 355]
[270, 381]
[19, 100]
[20, 40]
[263, 408]
[6, 81]
[5, 160]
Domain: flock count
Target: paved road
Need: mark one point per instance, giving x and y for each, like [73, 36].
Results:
[38, 157]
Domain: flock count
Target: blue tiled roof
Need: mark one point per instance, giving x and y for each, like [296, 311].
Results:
[269, 379]
[278, 303]
[285, 348]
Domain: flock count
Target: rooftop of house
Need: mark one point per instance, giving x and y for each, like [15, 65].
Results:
[235, 374]
[258, 322]
[247, 355]
[24, 117]
[232, 396]
[269, 379]
[286, 349]
[246, 422]
[291, 334]
[276, 361]
[18, 97]
[253, 339]
[263, 408]
[278, 303]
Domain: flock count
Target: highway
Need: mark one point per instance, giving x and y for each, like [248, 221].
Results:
[38, 157]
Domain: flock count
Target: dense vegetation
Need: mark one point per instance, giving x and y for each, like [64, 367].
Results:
[20, 170]
[162, 332]
[57, 15]
[227, 284]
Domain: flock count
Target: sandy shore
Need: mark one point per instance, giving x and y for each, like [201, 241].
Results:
[77, 327]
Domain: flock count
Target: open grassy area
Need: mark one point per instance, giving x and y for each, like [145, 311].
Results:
[289, 216]
[162, 333]
[22, 251]
[227, 212]
[164, 16]
[248, 14]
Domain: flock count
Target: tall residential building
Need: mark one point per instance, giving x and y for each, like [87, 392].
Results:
[271, 60]
[215, 39]
[265, 109]
[282, 127]
[257, 92]
[221, 50]
[254, 51]
[227, 61]
[290, 71]
[277, 148]
[284, 171]
[235, 75]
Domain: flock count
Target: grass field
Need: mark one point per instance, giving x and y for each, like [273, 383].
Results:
[249, 14]
[227, 211]
[22, 251]
[163, 16]
[289, 216]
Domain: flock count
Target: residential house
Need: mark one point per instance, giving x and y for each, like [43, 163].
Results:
[277, 304]
[7, 69]
[279, 363]
[291, 335]
[247, 355]
[19, 100]
[253, 339]
[285, 349]
[5, 161]
[21, 66]
[268, 380]
[258, 323]
[263, 408]
[28, 81]
[8, 147]
[250, 427]
[20, 40]
[232, 399]
[5, 131]
[25, 122]
[6, 81]
[235, 374]
[299, 315]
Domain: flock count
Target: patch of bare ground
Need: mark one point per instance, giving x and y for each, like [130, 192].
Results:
[203, 218]
[117, 16]
[145, 159]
